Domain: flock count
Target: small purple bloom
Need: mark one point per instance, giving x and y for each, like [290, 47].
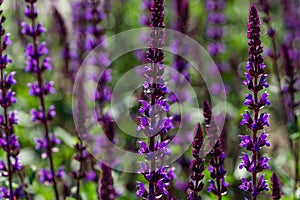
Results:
[142, 190]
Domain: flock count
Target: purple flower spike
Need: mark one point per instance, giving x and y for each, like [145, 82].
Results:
[142, 192]
[290, 55]
[255, 121]
[37, 62]
[11, 167]
[154, 120]
[276, 187]
[195, 185]
[215, 33]
[217, 185]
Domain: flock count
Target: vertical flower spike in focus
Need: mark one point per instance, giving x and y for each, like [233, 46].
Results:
[37, 63]
[254, 120]
[195, 184]
[8, 140]
[154, 119]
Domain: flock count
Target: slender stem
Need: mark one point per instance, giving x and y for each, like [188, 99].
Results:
[7, 131]
[79, 171]
[49, 152]
[255, 154]
[42, 102]
[295, 129]
[23, 184]
[293, 147]
[219, 188]
[151, 182]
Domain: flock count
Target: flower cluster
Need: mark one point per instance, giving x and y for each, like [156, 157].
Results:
[215, 32]
[195, 185]
[89, 34]
[291, 58]
[291, 22]
[265, 7]
[255, 81]
[154, 108]
[216, 155]
[95, 36]
[106, 189]
[179, 64]
[78, 38]
[144, 18]
[276, 187]
[37, 63]
[8, 140]
[46, 175]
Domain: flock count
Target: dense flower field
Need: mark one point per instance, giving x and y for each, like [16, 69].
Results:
[149, 99]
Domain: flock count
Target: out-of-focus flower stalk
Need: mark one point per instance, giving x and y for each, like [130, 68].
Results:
[215, 33]
[291, 61]
[274, 53]
[61, 26]
[87, 18]
[289, 65]
[77, 52]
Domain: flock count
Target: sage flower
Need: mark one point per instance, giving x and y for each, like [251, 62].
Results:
[255, 120]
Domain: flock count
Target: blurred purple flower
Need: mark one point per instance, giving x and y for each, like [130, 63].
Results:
[215, 32]
[47, 177]
[276, 187]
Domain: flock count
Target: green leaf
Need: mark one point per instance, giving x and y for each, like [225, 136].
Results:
[70, 198]
[65, 136]
[295, 136]
[31, 175]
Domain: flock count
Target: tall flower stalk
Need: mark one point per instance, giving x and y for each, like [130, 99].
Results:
[95, 36]
[215, 33]
[88, 35]
[274, 52]
[217, 185]
[77, 53]
[153, 108]
[37, 63]
[195, 184]
[255, 121]
[61, 26]
[291, 65]
[179, 64]
[8, 140]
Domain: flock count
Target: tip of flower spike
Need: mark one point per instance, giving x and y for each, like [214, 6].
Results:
[253, 9]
